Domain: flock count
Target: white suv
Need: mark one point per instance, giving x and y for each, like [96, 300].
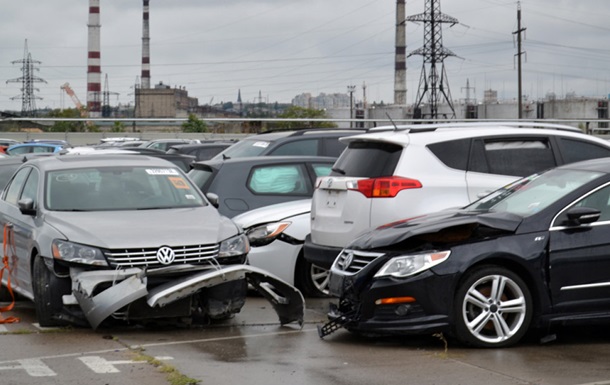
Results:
[394, 173]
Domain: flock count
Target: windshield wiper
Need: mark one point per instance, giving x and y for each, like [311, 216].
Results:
[338, 170]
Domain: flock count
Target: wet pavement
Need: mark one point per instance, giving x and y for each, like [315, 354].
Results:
[253, 349]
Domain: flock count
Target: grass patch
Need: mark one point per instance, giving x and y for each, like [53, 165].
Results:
[174, 377]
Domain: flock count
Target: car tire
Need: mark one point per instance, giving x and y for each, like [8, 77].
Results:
[311, 279]
[48, 291]
[492, 320]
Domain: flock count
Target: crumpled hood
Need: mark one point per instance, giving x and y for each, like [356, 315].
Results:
[143, 228]
[399, 231]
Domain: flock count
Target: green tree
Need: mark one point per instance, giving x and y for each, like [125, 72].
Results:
[118, 127]
[194, 124]
[295, 112]
[67, 126]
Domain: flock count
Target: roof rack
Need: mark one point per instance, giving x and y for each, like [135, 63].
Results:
[495, 124]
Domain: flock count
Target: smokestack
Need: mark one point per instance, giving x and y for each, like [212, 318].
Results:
[145, 48]
[400, 60]
[94, 67]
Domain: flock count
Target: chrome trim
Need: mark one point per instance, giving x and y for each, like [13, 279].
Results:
[350, 262]
[585, 286]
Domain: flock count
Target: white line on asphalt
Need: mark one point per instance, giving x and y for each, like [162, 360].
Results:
[78, 354]
[101, 366]
[3, 329]
[33, 366]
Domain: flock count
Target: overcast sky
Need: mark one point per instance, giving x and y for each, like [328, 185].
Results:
[281, 48]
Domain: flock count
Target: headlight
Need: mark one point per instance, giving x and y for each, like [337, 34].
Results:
[237, 245]
[406, 265]
[265, 234]
[76, 253]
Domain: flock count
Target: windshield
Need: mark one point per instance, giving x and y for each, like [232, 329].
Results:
[245, 148]
[529, 195]
[119, 188]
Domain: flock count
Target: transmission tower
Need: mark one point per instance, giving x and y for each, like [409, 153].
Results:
[28, 99]
[433, 82]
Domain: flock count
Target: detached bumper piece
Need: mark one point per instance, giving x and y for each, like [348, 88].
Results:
[337, 321]
[129, 285]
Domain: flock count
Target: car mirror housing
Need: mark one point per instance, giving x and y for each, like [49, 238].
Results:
[213, 198]
[582, 215]
[26, 206]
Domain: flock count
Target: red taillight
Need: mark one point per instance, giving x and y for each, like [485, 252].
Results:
[387, 187]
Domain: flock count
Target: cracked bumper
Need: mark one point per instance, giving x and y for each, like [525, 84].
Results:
[129, 285]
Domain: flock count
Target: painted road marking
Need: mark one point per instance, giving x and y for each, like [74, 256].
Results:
[34, 367]
[101, 366]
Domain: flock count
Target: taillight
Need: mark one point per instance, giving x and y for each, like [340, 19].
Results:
[387, 187]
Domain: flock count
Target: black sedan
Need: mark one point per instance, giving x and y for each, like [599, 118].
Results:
[533, 254]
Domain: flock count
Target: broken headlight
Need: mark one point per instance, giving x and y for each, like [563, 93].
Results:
[406, 265]
[237, 245]
[77, 253]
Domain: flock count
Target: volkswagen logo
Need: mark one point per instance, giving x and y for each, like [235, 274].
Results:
[165, 255]
[346, 260]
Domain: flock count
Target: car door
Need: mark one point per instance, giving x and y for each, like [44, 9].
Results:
[24, 184]
[579, 257]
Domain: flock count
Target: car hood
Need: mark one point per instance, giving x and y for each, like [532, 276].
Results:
[440, 224]
[143, 228]
[272, 213]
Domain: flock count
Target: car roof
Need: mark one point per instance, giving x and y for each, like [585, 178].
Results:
[64, 162]
[275, 135]
[444, 132]
[599, 165]
[217, 163]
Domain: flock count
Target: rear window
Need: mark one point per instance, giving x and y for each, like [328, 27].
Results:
[576, 150]
[368, 160]
[245, 148]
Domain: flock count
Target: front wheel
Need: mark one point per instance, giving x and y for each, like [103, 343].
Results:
[311, 279]
[493, 308]
[48, 292]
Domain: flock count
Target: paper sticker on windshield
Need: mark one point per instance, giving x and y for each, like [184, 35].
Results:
[261, 144]
[161, 171]
[178, 182]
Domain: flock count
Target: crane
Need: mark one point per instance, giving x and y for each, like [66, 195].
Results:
[66, 87]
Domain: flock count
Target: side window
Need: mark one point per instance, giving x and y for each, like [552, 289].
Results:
[599, 200]
[453, 153]
[322, 169]
[290, 179]
[576, 150]
[30, 190]
[16, 185]
[332, 147]
[299, 147]
[514, 157]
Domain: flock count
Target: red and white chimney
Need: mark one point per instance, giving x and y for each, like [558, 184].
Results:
[94, 64]
[145, 48]
[400, 59]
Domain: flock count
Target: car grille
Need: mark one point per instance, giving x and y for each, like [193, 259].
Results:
[352, 261]
[147, 257]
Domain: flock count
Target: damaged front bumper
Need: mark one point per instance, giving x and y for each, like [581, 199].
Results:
[102, 293]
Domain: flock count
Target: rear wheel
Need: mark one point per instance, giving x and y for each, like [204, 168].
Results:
[311, 279]
[493, 308]
[48, 292]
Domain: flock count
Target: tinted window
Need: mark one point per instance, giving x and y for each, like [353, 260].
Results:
[30, 190]
[577, 150]
[300, 147]
[514, 157]
[332, 147]
[368, 160]
[246, 148]
[200, 177]
[453, 154]
[282, 179]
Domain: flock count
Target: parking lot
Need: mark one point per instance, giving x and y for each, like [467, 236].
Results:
[253, 348]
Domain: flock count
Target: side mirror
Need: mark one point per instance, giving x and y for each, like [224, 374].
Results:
[213, 198]
[26, 206]
[582, 215]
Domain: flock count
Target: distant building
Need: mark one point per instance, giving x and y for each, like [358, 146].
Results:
[322, 101]
[162, 101]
